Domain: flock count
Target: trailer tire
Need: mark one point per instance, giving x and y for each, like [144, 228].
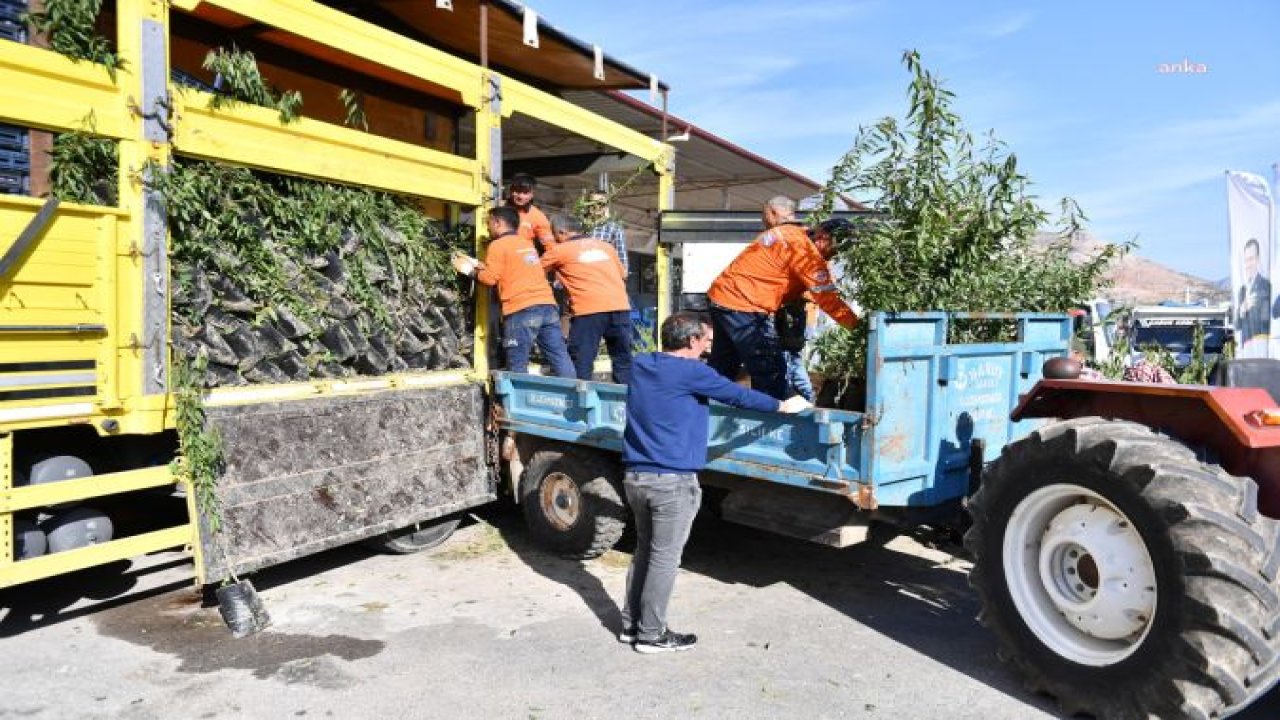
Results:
[572, 501]
[1123, 576]
[417, 537]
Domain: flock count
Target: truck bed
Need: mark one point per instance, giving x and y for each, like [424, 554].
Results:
[930, 403]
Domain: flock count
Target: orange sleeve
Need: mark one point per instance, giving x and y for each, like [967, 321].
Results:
[542, 227]
[551, 260]
[494, 262]
[812, 271]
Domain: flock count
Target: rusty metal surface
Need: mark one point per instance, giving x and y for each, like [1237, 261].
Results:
[1215, 418]
[308, 475]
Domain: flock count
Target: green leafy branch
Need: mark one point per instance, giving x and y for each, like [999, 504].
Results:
[200, 461]
[83, 167]
[353, 104]
[954, 228]
[71, 26]
[589, 212]
[242, 81]
[265, 230]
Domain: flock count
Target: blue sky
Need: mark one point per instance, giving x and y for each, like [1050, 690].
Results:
[1075, 89]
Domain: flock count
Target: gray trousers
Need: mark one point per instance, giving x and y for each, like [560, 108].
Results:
[664, 506]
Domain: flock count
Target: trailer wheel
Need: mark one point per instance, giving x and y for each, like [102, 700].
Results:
[1123, 576]
[417, 537]
[573, 501]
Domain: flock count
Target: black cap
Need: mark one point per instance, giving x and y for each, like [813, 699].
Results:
[837, 228]
[523, 181]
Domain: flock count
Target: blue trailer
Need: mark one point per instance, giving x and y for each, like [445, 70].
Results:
[934, 413]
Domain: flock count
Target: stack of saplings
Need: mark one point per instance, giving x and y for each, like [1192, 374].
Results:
[279, 279]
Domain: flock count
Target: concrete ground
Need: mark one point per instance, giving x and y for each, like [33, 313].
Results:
[487, 626]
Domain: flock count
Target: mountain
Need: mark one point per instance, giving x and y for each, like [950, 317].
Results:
[1136, 280]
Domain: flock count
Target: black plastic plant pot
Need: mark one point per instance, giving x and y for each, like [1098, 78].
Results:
[241, 609]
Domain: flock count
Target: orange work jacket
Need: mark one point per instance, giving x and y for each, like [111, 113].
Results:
[512, 265]
[779, 266]
[591, 272]
[534, 225]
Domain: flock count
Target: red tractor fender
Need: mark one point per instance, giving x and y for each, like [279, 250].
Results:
[1221, 419]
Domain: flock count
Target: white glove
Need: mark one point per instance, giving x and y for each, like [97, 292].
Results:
[465, 265]
[794, 404]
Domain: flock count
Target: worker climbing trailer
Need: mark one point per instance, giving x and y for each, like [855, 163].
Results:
[247, 313]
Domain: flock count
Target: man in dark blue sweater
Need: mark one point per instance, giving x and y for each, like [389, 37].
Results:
[663, 448]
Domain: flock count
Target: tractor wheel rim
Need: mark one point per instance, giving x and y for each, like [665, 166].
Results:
[1079, 574]
[561, 501]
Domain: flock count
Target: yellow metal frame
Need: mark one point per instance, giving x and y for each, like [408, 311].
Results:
[38, 496]
[88, 267]
[68, 92]
[518, 97]
[349, 34]
[253, 136]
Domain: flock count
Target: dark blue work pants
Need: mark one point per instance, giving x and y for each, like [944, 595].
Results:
[585, 332]
[750, 339]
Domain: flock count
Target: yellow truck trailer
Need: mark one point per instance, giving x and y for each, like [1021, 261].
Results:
[88, 381]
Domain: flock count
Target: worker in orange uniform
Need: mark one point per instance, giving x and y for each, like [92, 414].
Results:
[592, 274]
[779, 266]
[533, 223]
[529, 312]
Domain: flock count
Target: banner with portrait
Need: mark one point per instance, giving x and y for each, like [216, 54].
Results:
[1249, 212]
[1273, 349]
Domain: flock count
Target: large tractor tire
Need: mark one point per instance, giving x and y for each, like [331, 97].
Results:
[572, 501]
[1123, 576]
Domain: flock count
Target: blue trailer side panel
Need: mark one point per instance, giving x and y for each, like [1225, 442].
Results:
[928, 399]
[818, 449]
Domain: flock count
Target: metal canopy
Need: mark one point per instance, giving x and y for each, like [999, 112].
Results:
[560, 61]
[729, 226]
[711, 172]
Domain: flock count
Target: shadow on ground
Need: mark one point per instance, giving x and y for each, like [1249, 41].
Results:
[568, 572]
[925, 605]
[66, 597]
[98, 589]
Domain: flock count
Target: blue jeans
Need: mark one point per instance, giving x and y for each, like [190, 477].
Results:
[747, 338]
[541, 324]
[585, 332]
[664, 506]
[797, 376]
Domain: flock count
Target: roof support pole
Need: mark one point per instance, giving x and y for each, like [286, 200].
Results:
[664, 115]
[489, 155]
[665, 165]
[484, 34]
